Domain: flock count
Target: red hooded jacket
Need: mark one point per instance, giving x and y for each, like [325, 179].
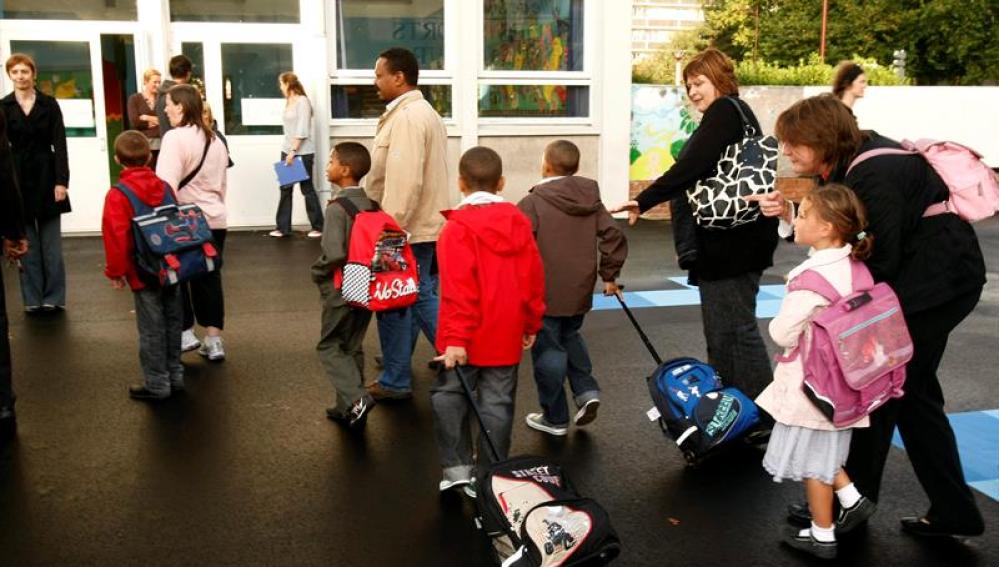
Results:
[116, 226]
[492, 283]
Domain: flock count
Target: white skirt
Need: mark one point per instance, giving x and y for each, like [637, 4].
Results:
[798, 453]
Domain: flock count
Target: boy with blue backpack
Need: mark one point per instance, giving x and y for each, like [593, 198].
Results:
[158, 311]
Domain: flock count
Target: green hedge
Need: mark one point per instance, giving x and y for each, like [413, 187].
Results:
[659, 69]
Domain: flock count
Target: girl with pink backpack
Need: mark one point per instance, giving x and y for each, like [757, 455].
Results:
[805, 445]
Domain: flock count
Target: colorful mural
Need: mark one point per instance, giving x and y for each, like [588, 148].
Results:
[661, 123]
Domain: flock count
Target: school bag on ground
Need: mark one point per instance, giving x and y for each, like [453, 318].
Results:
[173, 243]
[533, 514]
[381, 272]
[692, 405]
[855, 350]
[974, 187]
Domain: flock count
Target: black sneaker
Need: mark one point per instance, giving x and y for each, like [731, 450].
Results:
[357, 415]
[854, 516]
[799, 515]
[795, 539]
[141, 393]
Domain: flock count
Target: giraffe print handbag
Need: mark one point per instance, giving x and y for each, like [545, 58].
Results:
[748, 167]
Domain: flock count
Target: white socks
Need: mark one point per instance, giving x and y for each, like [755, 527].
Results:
[825, 535]
[848, 496]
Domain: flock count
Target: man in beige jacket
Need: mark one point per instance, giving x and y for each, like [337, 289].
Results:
[409, 179]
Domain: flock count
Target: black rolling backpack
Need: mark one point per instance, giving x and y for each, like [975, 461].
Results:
[533, 514]
[692, 405]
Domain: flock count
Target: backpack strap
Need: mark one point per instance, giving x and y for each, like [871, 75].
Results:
[878, 152]
[861, 279]
[810, 280]
[190, 176]
[351, 208]
[140, 208]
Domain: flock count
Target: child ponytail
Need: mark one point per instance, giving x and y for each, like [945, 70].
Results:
[840, 206]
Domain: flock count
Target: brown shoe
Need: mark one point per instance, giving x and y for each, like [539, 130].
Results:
[381, 394]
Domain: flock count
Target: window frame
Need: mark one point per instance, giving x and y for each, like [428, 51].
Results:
[362, 127]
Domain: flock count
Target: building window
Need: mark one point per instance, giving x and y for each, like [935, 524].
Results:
[251, 96]
[534, 59]
[260, 11]
[366, 28]
[548, 100]
[540, 35]
[361, 101]
[68, 10]
[64, 71]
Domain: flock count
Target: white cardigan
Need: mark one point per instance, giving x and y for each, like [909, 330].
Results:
[784, 398]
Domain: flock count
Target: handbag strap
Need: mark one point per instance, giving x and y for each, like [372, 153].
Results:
[190, 176]
[747, 128]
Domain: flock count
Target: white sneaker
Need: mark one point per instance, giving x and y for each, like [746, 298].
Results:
[314, 234]
[449, 484]
[212, 350]
[538, 421]
[275, 234]
[189, 341]
[587, 413]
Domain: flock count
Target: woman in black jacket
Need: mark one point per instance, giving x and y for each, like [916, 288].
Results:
[726, 265]
[38, 142]
[935, 266]
[14, 247]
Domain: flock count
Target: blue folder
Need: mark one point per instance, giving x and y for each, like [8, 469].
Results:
[290, 174]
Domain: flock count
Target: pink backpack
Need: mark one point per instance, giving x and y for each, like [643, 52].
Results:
[974, 188]
[855, 359]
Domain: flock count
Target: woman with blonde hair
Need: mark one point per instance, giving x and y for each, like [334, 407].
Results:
[141, 115]
[297, 143]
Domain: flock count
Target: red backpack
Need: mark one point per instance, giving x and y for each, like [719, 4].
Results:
[380, 273]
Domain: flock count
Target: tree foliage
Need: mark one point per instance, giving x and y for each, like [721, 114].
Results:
[947, 41]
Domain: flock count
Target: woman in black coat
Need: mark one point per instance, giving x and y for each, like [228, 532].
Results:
[38, 142]
[726, 265]
[935, 266]
[14, 247]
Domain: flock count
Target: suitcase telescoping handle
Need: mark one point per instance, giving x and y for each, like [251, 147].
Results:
[641, 333]
[475, 409]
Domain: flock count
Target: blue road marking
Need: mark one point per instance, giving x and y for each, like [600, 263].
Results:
[977, 435]
[767, 300]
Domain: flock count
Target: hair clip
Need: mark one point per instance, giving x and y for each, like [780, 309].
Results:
[861, 235]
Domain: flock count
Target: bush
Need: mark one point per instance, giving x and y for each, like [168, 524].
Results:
[658, 69]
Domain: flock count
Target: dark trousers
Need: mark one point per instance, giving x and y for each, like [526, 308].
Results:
[340, 348]
[312, 207]
[158, 318]
[922, 423]
[202, 298]
[735, 347]
[6, 384]
[495, 389]
[560, 352]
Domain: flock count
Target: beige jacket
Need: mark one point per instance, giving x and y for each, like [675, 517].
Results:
[784, 398]
[408, 174]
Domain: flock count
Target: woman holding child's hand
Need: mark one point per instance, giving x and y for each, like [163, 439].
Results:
[726, 265]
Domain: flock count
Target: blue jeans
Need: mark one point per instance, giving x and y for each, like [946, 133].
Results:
[558, 352]
[399, 329]
[43, 281]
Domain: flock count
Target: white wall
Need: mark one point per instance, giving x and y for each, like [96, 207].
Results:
[968, 115]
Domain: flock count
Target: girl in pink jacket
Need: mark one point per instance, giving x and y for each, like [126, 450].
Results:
[804, 445]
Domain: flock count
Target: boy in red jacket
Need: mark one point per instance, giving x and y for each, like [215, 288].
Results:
[158, 311]
[491, 304]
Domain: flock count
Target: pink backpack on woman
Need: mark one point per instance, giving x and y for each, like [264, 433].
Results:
[974, 188]
[855, 350]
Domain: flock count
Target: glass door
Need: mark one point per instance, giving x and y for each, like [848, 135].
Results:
[91, 75]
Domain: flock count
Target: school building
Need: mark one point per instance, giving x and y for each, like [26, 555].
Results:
[509, 74]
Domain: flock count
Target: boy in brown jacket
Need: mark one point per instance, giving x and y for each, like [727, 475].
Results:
[571, 225]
